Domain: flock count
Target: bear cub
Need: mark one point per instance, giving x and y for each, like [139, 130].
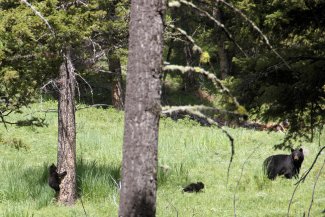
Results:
[55, 178]
[194, 187]
[281, 164]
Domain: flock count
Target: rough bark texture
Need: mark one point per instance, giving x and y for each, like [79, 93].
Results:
[67, 132]
[117, 89]
[142, 109]
[224, 60]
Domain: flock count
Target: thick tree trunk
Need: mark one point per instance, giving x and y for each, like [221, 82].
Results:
[224, 60]
[117, 89]
[67, 132]
[142, 110]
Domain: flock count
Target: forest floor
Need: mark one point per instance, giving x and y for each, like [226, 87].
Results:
[188, 153]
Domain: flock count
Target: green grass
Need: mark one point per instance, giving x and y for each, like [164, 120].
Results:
[187, 153]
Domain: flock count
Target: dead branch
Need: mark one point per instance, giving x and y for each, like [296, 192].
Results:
[39, 14]
[231, 6]
[38, 122]
[50, 82]
[312, 197]
[290, 202]
[201, 108]
[216, 82]
[205, 13]
[302, 179]
[91, 89]
[195, 47]
[97, 55]
[241, 173]
[2, 117]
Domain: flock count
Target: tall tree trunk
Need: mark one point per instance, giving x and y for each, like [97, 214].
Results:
[67, 131]
[224, 60]
[142, 109]
[117, 89]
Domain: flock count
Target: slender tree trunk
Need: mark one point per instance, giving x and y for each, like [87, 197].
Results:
[67, 131]
[142, 109]
[117, 89]
[224, 60]
[190, 82]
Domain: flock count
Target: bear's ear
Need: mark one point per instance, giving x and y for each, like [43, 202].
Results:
[292, 150]
[301, 150]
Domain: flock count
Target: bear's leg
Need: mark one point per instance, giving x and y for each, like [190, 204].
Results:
[271, 175]
[288, 175]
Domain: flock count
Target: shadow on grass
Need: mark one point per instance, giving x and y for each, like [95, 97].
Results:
[31, 183]
[94, 181]
[97, 180]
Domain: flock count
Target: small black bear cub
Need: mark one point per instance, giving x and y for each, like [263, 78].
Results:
[281, 164]
[194, 187]
[55, 178]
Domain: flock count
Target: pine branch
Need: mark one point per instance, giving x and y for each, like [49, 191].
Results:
[205, 13]
[266, 40]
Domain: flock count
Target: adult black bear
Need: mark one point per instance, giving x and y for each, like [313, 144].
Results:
[281, 164]
[55, 178]
[194, 187]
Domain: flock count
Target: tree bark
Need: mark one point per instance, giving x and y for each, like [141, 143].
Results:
[142, 109]
[190, 82]
[224, 60]
[67, 131]
[117, 89]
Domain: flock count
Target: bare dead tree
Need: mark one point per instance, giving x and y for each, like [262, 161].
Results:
[67, 130]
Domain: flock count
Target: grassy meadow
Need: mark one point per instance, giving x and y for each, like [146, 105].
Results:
[187, 153]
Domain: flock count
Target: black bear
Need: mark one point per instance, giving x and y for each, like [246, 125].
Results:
[281, 164]
[194, 187]
[55, 178]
